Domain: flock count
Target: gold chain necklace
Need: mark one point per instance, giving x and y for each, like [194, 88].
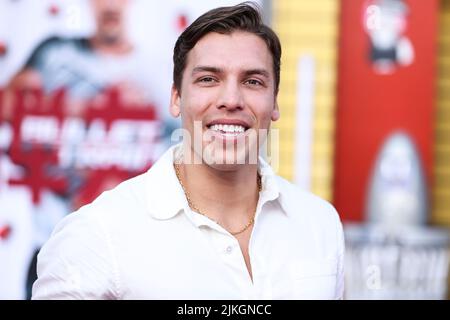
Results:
[196, 209]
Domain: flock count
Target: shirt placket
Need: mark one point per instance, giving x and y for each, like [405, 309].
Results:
[228, 250]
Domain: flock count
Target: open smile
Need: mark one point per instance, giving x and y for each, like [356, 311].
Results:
[228, 128]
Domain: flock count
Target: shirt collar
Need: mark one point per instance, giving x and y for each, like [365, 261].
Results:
[270, 189]
[166, 198]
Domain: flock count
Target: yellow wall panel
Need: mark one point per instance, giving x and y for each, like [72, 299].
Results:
[441, 183]
[308, 27]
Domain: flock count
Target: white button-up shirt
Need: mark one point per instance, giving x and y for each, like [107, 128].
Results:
[142, 241]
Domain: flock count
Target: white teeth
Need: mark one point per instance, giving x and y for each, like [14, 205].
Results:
[227, 128]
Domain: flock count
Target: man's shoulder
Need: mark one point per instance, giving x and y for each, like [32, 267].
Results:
[112, 211]
[50, 44]
[302, 203]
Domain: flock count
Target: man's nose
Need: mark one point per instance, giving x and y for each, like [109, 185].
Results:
[230, 97]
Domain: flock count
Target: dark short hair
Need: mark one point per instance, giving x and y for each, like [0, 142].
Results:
[225, 20]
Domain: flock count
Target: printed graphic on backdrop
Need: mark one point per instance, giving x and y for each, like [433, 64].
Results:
[376, 96]
[81, 111]
[78, 116]
[385, 22]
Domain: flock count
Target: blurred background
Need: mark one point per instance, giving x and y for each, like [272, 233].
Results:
[365, 122]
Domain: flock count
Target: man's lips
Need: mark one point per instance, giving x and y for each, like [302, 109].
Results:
[230, 126]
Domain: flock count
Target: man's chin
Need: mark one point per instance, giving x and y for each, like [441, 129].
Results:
[226, 159]
[225, 167]
[217, 155]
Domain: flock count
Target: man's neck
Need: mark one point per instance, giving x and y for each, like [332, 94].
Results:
[118, 46]
[229, 197]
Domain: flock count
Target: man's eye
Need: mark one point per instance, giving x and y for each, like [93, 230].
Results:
[254, 82]
[206, 79]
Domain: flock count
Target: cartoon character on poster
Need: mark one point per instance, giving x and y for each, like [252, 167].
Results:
[386, 22]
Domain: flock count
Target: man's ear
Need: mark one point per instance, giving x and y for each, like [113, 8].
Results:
[275, 112]
[175, 107]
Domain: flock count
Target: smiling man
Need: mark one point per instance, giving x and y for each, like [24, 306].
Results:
[208, 220]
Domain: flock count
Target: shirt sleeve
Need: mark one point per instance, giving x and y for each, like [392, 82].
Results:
[77, 261]
[38, 55]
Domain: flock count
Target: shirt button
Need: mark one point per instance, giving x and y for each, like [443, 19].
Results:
[229, 249]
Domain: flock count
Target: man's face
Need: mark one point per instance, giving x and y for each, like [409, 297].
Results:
[228, 90]
[110, 17]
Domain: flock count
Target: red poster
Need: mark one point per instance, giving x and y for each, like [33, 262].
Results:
[387, 54]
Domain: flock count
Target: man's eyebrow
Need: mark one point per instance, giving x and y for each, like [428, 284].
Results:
[261, 72]
[207, 69]
[218, 70]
